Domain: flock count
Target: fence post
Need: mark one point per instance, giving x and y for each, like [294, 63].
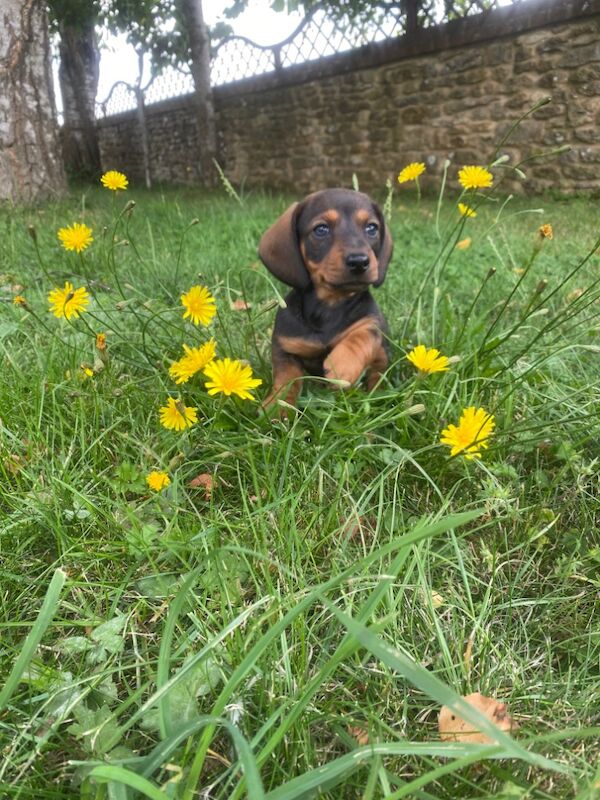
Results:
[412, 22]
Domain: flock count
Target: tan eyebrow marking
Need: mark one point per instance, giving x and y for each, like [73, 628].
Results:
[330, 216]
[362, 216]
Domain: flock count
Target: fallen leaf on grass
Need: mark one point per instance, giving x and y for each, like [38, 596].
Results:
[240, 305]
[359, 733]
[203, 481]
[455, 729]
[254, 498]
[13, 464]
[355, 526]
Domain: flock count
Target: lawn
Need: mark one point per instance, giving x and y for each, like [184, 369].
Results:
[287, 616]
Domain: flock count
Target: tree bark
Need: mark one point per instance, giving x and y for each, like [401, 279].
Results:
[31, 167]
[200, 66]
[78, 76]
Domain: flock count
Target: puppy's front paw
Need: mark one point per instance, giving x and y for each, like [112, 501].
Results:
[341, 369]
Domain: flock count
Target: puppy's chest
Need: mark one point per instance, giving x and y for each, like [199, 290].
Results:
[309, 329]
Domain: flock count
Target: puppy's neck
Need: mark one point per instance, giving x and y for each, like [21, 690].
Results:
[319, 313]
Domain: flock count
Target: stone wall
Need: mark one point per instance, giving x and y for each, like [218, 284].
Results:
[450, 92]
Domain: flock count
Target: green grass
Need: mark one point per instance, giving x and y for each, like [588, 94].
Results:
[232, 646]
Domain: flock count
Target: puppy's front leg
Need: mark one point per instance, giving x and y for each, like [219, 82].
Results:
[377, 367]
[357, 349]
[287, 370]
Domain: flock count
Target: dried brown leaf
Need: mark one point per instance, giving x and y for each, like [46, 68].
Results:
[359, 733]
[455, 729]
[203, 481]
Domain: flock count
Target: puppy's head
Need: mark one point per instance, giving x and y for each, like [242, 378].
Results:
[335, 239]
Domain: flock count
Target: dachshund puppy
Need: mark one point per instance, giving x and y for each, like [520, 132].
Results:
[331, 248]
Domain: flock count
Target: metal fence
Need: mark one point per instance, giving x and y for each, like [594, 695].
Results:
[317, 36]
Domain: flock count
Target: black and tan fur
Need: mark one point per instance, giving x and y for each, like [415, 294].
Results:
[331, 248]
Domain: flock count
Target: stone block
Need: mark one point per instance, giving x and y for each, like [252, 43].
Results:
[589, 155]
[415, 115]
[578, 56]
[497, 53]
[579, 114]
[463, 60]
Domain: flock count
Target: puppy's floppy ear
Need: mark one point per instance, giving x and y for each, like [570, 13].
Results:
[385, 249]
[280, 251]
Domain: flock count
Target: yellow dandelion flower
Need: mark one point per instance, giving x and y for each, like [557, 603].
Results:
[546, 231]
[471, 434]
[230, 377]
[76, 237]
[475, 178]
[464, 244]
[411, 172]
[100, 341]
[427, 361]
[466, 211]
[157, 480]
[19, 300]
[87, 371]
[195, 359]
[199, 305]
[114, 180]
[176, 416]
[68, 302]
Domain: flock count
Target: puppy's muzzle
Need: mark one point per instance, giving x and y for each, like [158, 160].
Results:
[357, 263]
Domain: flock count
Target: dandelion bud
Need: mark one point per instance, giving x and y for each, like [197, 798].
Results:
[129, 207]
[541, 286]
[565, 148]
[195, 221]
[418, 408]
[491, 273]
[454, 359]
[175, 462]
[501, 160]
[32, 232]
[19, 300]
[546, 231]
[520, 173]
[572, 296]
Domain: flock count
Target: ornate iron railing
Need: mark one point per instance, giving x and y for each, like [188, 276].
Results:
[317, 36]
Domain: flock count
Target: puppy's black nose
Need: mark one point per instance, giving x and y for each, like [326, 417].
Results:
[357, 262]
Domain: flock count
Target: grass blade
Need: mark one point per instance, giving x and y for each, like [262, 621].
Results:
[338, 770]
[34, 637]
[120, 775]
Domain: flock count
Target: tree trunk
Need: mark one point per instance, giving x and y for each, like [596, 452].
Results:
[200, 50]
[31, 167]
[78, 75]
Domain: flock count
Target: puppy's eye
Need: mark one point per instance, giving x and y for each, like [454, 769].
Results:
[372, 229]
[321, 230]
